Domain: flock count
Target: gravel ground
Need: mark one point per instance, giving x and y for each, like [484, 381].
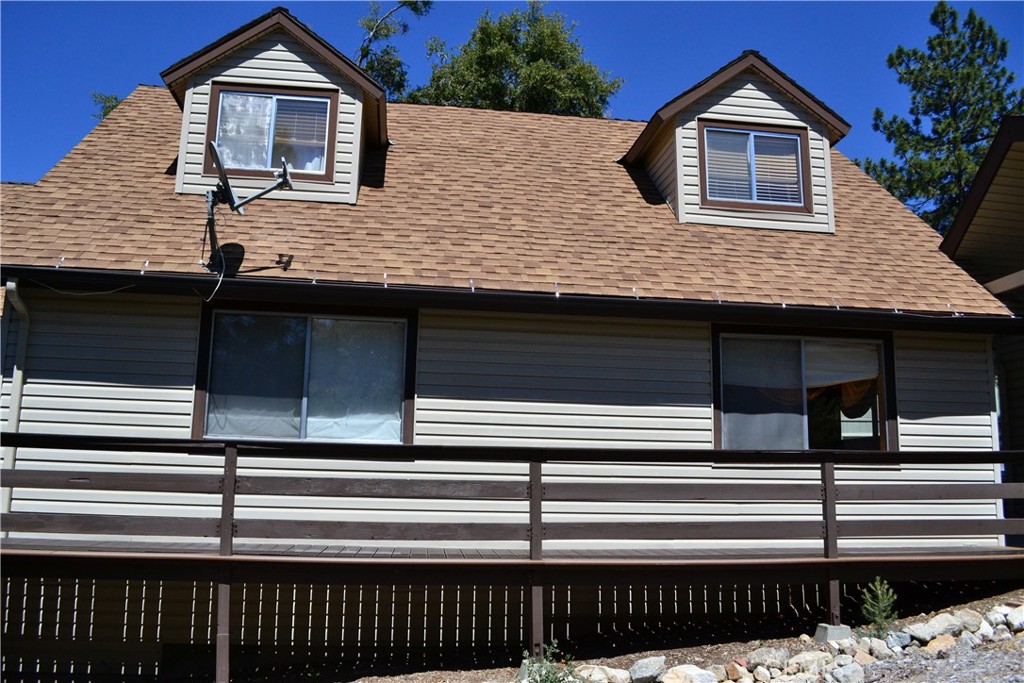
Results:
[989, 663]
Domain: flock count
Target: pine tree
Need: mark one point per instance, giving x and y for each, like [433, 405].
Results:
[960, 90]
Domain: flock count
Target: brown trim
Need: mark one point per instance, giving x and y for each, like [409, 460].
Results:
[837, 127]
[332, 129]
[754, 205]
[1010, 131]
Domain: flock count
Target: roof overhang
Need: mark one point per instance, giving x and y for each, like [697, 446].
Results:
[176, 76]
[750, 60]
[1009, 137]
[286, 290]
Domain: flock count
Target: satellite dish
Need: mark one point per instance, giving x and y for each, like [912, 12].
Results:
[226, 194]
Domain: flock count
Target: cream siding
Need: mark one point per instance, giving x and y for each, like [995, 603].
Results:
[273, 60]
[752, 100]
[663, 169]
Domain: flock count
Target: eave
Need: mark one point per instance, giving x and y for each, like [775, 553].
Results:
[750, 60]
[286, 291]
[176, 76]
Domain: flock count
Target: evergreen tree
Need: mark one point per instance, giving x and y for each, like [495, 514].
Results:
[377, 56]
[525, 60]
[960, 90]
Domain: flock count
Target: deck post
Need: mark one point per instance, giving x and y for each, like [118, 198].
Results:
[536, 597]
[831, 537]
[227, 536]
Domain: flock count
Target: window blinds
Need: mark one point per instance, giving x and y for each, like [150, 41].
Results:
[753, 167]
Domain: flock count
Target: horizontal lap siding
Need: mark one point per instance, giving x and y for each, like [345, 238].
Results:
[112, 366]
[274, 60]
[11, 325]
[663, 169]
[750, 99]
[1010, 352]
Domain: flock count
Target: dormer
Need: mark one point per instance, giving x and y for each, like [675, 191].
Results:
[274, 89]
[745, 147]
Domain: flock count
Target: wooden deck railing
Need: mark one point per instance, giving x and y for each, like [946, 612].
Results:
[534, 566]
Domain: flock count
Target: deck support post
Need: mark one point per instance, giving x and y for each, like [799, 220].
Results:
[227, 536]
[831, 537]
[536, 597]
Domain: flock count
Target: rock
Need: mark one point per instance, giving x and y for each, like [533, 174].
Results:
[944, 623]
[734, 671]
[604, 674]
[843, 660]
[879, 649]
[688, 673]
[851, 673]
[647, 670]
[719, 672]
[524, 672]
[968, 640]
[1015, 619]
[995, 617]
[768, 657]
[1000, 633]
[827, 632]
[920, 631]
[762, 674]
[863, 658]
[969, 619]
[894, 639]
[805, 639]
[746, 679]
[940, 644]
[985, 630]
[775, 673]
[810, 662]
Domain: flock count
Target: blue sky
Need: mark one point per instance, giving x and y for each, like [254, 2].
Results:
[53, 55]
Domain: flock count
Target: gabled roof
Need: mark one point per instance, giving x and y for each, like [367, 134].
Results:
[496, 198]
[177, 75]
[750, 60]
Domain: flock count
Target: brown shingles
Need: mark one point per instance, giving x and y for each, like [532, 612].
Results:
[511, 201]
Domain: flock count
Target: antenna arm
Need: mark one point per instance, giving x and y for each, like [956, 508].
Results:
[284, 182]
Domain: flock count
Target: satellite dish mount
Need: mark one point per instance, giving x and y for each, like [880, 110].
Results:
[223, 194]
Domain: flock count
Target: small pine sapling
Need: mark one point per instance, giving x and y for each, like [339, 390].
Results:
[877, 601]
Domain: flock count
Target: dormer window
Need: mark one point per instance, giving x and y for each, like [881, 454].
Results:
[255, 128]
[751, 167]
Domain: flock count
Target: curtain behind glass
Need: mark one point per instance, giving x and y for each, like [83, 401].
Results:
[300, 133]
[762, 394]
[256, 376]
[356, 379]
[243, 128]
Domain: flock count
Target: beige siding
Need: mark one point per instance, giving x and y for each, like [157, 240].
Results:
[750, 99]
[273, 60]
[9, 339]
[663, 169]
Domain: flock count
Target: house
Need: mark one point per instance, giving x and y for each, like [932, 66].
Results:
[537, 361]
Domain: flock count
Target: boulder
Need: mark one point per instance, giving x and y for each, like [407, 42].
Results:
[768, 657]
[968, 640]
[969, 619]
[940, 644]
[735, 671]
[602, 674]
[810, 662]
[1001, 632]
[944, 623]
[920, 631]
[1015, 619]
[719, 672]
[762, 675]
[995, 617]
[879, 649]
[647, 670]
[901, 640]
[863, 658]
[985, 630]
[851, 673]
[842, 660]
[688, 673]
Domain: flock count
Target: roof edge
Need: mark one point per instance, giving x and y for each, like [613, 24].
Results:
[748, 60]
[176, 75]
[1011, 130]
[402, 296]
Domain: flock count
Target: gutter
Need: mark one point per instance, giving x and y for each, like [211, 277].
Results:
[10, 453]
[290, 290]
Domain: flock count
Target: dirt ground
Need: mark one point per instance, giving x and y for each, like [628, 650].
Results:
[722, 653]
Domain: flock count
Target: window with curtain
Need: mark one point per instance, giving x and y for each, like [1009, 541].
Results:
[755, 167]
[303, 377]
[801, 393]
[255, 130]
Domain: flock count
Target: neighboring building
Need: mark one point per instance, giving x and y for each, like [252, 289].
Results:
[719, 278]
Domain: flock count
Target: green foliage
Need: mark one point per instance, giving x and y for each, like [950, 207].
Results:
[106, 104]
[525, 60]
[554, 666]
[959, 92]
[877, 601]
[377, 56]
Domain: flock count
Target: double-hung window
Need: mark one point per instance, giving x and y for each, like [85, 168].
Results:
[306, 377]
[255, 128]
[785, 393]
[754, 168]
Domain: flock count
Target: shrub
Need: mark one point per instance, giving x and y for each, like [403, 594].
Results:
[554, 666]
[876, 605]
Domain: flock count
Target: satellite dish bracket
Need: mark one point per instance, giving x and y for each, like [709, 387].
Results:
[223, 194]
